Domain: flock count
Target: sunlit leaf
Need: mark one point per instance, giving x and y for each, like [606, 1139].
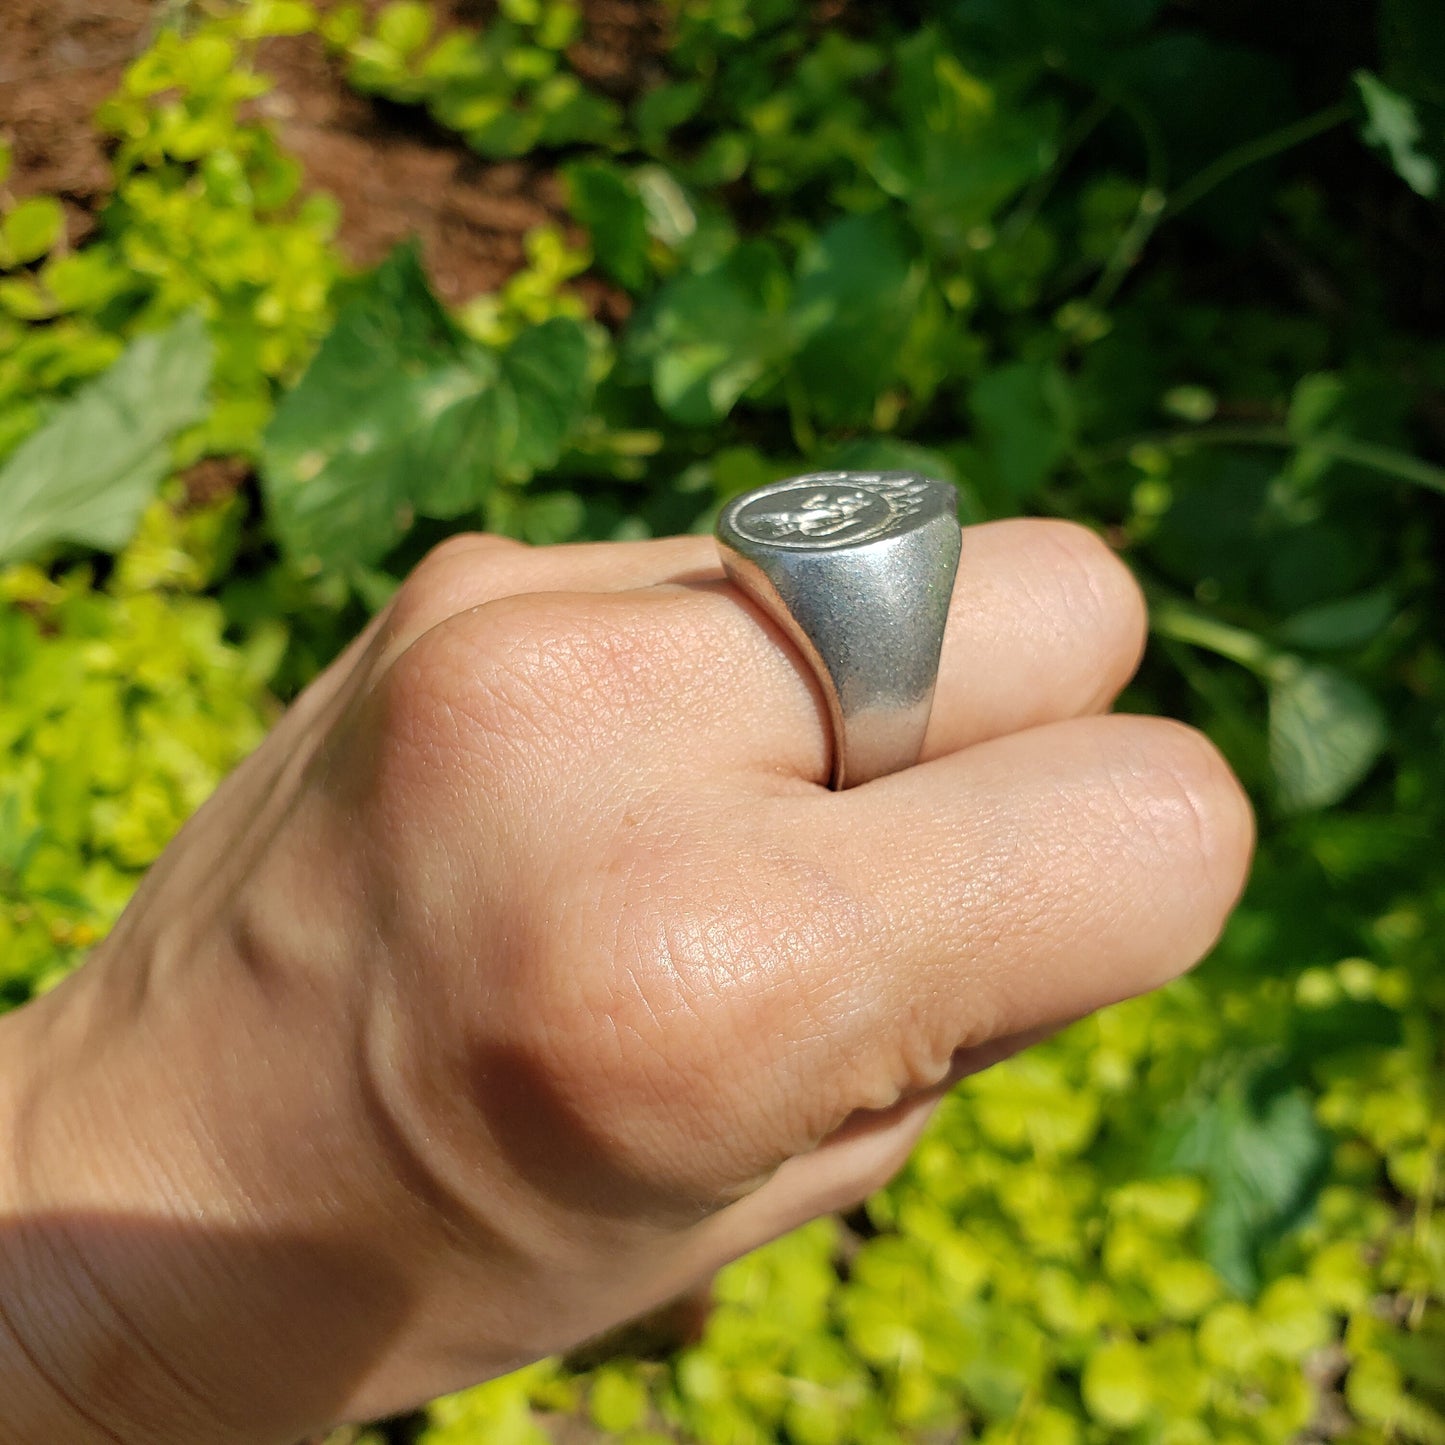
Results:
[87, 474]
[1392, 125]
[400, 415]
[711, 335]
[30, 230]
[1325, 734]
[1116, 1385]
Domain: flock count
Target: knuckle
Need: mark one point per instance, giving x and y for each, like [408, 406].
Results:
[721, 996]
[602, 669]
[469, 545]
[451, 695]
[1178, 786]
[447, 580]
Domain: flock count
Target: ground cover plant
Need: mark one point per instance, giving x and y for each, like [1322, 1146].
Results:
[1178, 280]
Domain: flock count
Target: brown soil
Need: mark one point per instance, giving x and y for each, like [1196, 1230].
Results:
[393, 172]
[58, 60]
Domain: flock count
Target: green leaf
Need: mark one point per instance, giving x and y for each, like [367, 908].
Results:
[1021, 410]
[618, 1400]
[532, 398]
[337, 459]
[711, 335]
[88, 473]
[958, 154]
[1116, 1385]
[399, 415]
[857, 289]
[546, 368]
[1314, 401]
[608, 204]
[1254, 1141]
[404, 26]
[29, 231]
[276, 17]
[1391, 125]
[659, 111]
[1325, 733]
[1350, 622]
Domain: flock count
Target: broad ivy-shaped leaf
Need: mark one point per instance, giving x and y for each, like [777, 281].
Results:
[857, 289]
[87, 474]
[711, 335]
[1255, 1143]
[532, 396]
[336, 458]
[1325, 733]
[399, 415]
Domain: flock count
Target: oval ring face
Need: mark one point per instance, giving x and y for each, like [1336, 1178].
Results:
[831, 509]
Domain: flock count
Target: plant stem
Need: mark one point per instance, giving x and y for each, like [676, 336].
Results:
[1385, 460]
[1033, 199]
[1155, 207]
[1182, 624]
[1251, 152]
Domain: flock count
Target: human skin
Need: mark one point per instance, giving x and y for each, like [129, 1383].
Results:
[528, 972]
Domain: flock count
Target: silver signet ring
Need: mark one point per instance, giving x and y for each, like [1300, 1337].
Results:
[857, 568]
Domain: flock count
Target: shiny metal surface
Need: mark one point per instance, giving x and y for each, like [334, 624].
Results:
[857, 568]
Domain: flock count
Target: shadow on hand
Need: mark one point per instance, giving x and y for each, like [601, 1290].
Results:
[127, 1330]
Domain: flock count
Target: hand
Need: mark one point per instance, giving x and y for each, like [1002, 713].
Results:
[527, 974]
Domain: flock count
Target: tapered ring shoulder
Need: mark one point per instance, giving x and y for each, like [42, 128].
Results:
[857, 568]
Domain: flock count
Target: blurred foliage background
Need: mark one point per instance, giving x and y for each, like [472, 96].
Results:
[1170, 269]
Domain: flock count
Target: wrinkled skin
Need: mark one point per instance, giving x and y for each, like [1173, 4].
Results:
[528, 972]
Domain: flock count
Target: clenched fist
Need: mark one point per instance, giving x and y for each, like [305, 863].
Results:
[528, 972]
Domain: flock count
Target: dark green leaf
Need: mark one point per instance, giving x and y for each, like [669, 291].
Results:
[607, 203]
[399, 415]
[337, 460]
[1325, 733]
[574, 115]
[1255, 1143]
[1412, 48]
[88, 473]
[1202, 98]
[1350, 622]
[1021, 411]
[662, 109]
[857, 287]
[1059, 26]
[711, 335]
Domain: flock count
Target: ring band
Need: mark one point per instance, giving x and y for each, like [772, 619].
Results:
[858, 569]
